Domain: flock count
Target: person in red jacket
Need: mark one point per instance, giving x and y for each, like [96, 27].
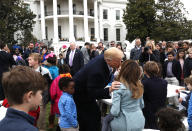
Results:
[56, 93]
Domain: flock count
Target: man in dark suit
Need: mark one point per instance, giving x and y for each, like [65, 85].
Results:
[90, 83]
[27, 52]
[6, 62]
[74, 59]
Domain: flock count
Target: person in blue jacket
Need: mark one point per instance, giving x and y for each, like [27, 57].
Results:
[67, 107]
[188, 81]
[127, 102]
[24, 97]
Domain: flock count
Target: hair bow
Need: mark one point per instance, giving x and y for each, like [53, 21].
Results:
[66, 75]
[64, 46]
[49, 55]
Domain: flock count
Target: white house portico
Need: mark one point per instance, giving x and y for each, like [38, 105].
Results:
[64, 21]
[69, 13]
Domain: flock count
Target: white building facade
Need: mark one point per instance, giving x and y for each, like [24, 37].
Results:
[64, 21]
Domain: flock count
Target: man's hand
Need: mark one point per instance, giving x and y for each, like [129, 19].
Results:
[115, 86]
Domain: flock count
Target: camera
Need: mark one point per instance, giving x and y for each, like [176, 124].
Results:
[147, 48]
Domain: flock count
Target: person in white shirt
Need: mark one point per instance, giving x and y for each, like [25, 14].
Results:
[35, 63]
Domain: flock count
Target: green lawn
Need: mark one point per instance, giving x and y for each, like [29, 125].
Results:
[47, 118]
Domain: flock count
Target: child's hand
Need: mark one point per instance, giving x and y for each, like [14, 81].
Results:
[180, 100]
[183, 88]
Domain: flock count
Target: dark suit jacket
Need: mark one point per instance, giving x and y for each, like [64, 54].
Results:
[6, 61]
[28, 52]
[59, 62]
[176, 69]
[155, 94]
[78, 61]
[91, 80]
[90, 83]
[187, 67]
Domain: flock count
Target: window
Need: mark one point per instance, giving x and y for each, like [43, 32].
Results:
[118, 35]
[91, 12]
[92, 34]
[46, 32]
[58, 9]
[117, 14]
[59, 32]
[74, 9]
[46, 14]
[105, 34]
[105, 14]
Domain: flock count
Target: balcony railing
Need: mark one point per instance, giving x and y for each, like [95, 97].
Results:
[77, 12]
[63, 12]
[66, 12]
[49, 13]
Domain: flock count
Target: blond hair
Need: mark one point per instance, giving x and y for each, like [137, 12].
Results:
[36, 57]
[188, 80]
[148, 43]
[113, 53]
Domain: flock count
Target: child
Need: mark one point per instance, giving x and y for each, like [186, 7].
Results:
[172, 70]
[170, 120]
[127, 102]
[185, 102]
[50, 64]
[55, 92]
[67, 107]
[172, 74]
[189, 86]
[23, 89]
[155, 93]
[35, 63]
[188, 64]
[34, 113]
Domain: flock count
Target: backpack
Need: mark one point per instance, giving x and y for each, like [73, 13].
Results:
[46, 93]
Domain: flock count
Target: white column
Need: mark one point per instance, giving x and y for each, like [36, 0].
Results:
[55, 23]
[96, 21]
[87, 39]
[42, 20]
[71, 23]
[100, 22]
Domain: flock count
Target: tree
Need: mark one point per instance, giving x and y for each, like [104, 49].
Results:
[139, 18]
[171, 23]
[162, 21]
[14, 16]
[28, 37]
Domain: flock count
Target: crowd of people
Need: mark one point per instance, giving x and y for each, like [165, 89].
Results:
[75, 81]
